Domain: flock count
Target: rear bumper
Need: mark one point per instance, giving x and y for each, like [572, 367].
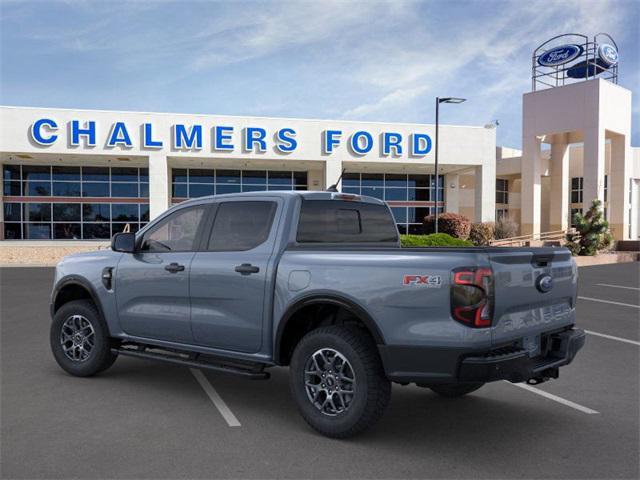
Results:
[427, 365]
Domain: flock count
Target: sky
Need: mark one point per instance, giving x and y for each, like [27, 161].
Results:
[344, 60]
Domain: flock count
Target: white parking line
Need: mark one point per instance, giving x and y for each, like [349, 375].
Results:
[611, 337]
[609, 301]
[616, 286]
[555, 398]
[222, 407]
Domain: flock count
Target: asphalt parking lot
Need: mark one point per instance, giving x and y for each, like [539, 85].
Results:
[148, 420]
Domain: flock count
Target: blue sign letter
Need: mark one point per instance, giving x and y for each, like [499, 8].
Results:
[355, 142]
[89, 131]
[36, 133]
[147, 138]
[255, 135]
[330, 141]
[119, 136]
[421, 144]
[286, 141]
[221, 136]
[391, 140]
[182, 139]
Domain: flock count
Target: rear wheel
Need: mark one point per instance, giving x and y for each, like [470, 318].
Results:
[452, 390]
[80, 339]
[338, 382]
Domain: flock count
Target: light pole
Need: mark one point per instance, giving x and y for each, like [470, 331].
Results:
[438, 102]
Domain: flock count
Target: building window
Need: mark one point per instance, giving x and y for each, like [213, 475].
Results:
[502, 190]
[417, 192]
[76, 202]
[502, 213]
[576, 190]
[573, 212]
[606, 187]
[199, 182]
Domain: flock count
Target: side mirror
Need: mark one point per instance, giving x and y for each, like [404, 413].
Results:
[124, 242]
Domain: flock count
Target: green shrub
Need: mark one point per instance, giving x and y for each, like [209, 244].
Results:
[505, 227]
[453, 224]
[481, 234]
[433, 240]
[592, 232]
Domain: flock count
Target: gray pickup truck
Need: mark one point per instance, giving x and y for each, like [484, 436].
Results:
[316, 281]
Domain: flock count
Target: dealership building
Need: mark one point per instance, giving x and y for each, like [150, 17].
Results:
[79, 175]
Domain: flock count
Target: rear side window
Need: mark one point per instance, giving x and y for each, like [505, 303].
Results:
[241, 226]
[337, 221]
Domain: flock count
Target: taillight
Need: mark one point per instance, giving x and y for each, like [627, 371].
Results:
[472, 296]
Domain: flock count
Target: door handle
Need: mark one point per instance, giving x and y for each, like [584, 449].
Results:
[247, 269]
[174, 268]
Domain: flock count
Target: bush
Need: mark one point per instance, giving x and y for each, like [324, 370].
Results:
[482, 233]
[433, 240]
[453, 224]
[505, 228]
[592, 232]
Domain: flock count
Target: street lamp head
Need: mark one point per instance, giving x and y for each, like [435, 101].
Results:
[451, 100]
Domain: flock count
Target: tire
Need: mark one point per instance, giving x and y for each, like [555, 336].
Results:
[452, 390]
[353, 355]
[87, 354]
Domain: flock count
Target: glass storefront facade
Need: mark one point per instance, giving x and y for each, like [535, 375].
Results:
[67, 202]
[199, 182]
[411, 197]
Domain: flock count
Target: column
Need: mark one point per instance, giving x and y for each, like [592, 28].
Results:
[618, 188]
[485, 192]
[332, 171]
[593, 167]
[531, 188]
[452, 192]
[159, 184]
[559, 194]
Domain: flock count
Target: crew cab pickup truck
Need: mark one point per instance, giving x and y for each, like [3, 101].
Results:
[316, 281]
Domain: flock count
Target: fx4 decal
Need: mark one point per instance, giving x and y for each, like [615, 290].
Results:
[427, 281]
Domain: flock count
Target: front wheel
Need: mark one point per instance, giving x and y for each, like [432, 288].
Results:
[452, 390]
[80, 339]
[338, 382]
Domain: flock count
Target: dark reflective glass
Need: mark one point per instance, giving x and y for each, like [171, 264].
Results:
[119, 227]
[95, 189]
[419, 181]
[402, 229]
[300, 187]
[227, 176]
[66, 212]
[12, 189]
[241, 225]
[254, 177]
[96, 212]
[395, 180]
[179, 175]
[351, 180]
[280, 178]
[96, 230]
[200, 190]
[122, 212]
[144, 190]
[300, 178]
[12, 212]
[66, 189]
[66, 173]
[124, 190]
[96, 174]
[12, 231]
[400, 214]
[441, 195]
[421, 213]
[67, 230]
[124, 174]
[201, 175]
[222, 189]
[37, 189]
[36, 172]
[179, 190]
[144, 174]
[11, 172]
[376, 192]
[37, 231]
[253, 188]
[280, 187]
[353, 190]
[415, 230]
[37, 212]
[144, 212]
[372, 179]
[419, 194]
[395, 194]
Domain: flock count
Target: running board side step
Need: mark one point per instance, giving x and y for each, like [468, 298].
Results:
[251, 371]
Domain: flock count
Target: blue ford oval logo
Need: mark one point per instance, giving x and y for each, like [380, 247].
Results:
[544, 283]
[560, 55]
[608, 54]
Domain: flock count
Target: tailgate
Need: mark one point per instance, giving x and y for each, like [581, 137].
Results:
[535, 292]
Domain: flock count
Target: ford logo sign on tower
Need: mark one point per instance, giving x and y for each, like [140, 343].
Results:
[560, 55]
[608, 54]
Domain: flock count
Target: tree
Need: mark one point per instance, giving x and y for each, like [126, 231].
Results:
[592, 232]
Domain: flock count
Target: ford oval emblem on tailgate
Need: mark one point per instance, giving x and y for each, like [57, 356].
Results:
[544, 283]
